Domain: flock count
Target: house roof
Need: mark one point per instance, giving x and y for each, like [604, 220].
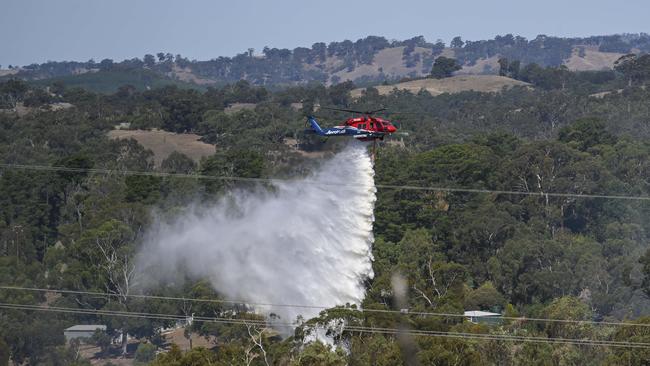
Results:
[85, 328]
[477, 313]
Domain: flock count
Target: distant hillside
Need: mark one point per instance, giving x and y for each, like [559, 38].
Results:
[368, 61]
[591, 59]
[108, 81]
[455, 84]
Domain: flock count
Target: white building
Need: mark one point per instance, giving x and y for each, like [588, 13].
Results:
[82, 331]
[483, 317]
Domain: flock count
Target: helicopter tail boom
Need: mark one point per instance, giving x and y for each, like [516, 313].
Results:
[335, 131]
[315, 127]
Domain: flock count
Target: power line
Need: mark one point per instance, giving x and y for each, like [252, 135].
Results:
[338, 185]
[156, 297]
[520, 193]
[309, 182]
[344, 328]
[321, 307]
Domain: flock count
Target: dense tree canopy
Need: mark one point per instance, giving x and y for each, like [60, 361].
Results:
[519, 250]
[444, 67]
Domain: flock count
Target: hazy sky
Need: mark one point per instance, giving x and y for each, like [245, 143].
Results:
[41, 30]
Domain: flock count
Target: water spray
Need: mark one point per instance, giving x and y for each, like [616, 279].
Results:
[304, 244]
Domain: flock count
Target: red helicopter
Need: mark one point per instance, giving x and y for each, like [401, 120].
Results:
[366, 128]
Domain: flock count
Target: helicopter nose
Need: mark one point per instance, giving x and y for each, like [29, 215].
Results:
[391, 129]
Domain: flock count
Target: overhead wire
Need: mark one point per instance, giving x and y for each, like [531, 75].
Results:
[338, 185]
[343, 328]
[322, 307]
[500, 337]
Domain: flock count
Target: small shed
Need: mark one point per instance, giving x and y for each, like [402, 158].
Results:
[82, 331]
[483, 317]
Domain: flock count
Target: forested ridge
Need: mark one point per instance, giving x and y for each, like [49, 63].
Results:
[332, 62]
[527, 253]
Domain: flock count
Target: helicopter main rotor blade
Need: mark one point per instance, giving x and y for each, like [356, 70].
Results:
[409, 113]
[376, 110]
[385, 110]
[342, 110]
[355, 111]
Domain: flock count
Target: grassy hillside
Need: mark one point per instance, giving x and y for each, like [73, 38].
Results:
[455, 84]
[163, 143]
[590, 59]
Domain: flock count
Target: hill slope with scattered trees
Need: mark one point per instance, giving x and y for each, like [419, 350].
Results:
[370, 60]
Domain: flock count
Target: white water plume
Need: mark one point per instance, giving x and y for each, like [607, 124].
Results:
[307, 243]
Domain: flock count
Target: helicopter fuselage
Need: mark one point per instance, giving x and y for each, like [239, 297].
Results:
[361, 128]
